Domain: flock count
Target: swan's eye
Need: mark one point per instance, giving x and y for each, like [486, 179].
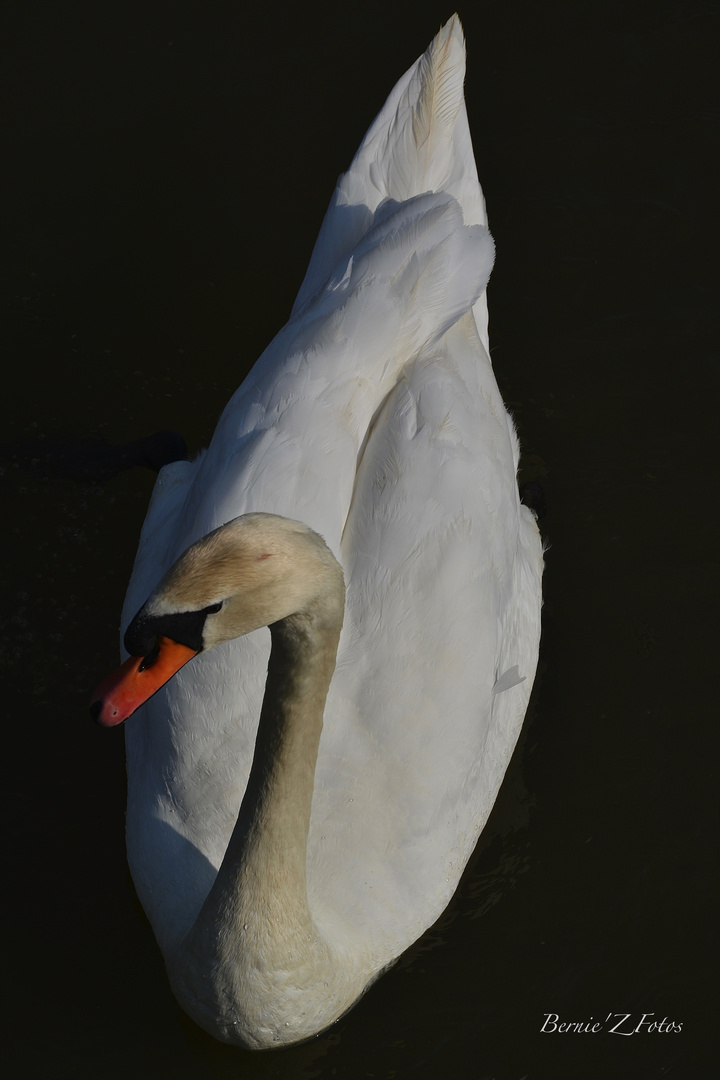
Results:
[149, 660]
[213, 608]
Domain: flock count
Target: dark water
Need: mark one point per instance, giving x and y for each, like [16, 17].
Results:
[167, 168]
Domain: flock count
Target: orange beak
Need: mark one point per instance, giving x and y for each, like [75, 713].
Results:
[118, 696]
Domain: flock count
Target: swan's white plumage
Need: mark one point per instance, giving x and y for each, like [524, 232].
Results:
[374, 417]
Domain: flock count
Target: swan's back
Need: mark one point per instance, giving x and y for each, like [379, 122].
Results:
[374, 417]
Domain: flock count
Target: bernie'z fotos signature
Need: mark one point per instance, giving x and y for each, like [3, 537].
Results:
[614, 1024]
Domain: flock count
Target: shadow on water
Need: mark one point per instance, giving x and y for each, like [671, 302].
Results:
[170, 168]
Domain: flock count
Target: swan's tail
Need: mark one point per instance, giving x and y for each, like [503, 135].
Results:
[420, 141]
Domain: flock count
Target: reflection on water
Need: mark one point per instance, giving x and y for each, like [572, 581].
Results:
[171, 171]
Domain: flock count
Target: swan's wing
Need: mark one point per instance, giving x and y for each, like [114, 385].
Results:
[420, 141]
[443, 569]
[326, 373]
[289, 440]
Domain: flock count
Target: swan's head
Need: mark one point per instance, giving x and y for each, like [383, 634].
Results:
[256, 570]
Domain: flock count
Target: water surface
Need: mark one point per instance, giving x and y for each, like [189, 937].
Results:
[170, 166]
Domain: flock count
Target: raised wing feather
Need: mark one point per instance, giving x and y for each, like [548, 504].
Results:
[420, 141]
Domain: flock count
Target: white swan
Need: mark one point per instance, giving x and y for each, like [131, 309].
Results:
[374, 417]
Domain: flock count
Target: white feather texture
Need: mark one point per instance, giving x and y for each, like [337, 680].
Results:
[375, 418]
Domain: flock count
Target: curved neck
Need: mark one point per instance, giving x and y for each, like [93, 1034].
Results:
[269, 843]
[255, 949]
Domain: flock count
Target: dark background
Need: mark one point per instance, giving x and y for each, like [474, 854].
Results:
[167, 166]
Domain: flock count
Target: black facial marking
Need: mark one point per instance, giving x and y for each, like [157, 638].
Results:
[185, 627]
[150, 658]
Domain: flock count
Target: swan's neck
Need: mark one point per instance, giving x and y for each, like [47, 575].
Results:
[267, 851]
[248, 967]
